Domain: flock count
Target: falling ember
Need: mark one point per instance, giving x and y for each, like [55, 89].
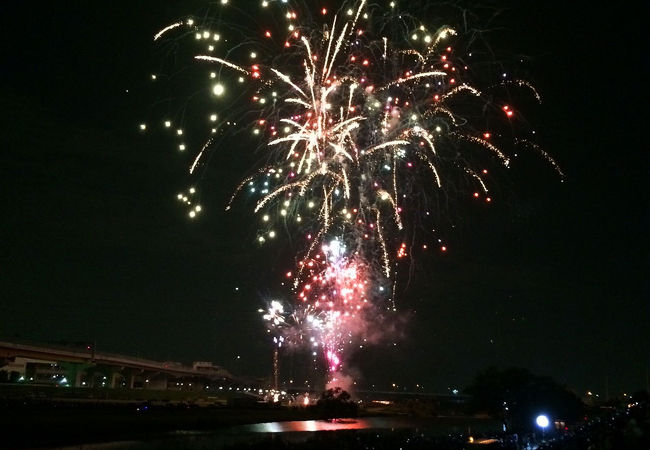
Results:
[359, 134]
[333, 360]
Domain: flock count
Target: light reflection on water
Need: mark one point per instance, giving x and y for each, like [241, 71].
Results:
[290, 432]
[326, 425]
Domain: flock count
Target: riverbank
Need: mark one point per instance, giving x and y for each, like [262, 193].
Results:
[47, 424]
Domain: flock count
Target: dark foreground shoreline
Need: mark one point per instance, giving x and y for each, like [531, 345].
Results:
[47, 423]
[33, 424]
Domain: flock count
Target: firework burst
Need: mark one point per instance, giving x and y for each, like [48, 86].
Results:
[363, 115]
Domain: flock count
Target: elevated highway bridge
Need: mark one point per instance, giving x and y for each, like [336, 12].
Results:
[86, 367]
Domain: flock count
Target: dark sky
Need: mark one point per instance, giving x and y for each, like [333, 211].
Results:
[95, 248]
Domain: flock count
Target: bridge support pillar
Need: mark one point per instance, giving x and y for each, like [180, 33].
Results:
[116, 380]
[77, 378]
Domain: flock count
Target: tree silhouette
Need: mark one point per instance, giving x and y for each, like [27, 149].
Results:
[336, 402]
[516, 396]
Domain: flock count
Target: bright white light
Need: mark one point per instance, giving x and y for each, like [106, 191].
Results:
[542, 421]
[213, 117]
[335, 249]
[218, 89]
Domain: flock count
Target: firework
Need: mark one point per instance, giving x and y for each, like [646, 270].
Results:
[363, 115]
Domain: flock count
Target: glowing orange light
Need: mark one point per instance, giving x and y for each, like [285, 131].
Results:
[486, 135]
[475, 194]
[267, 34]
[443, 248]
[323, 11]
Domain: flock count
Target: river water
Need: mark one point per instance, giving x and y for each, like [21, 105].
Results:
[295, 432]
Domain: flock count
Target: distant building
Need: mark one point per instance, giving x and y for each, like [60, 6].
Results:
[64, 366]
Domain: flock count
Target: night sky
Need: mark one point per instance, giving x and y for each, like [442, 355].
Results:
[95, 248]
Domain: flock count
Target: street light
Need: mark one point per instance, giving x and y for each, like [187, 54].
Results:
[542, 422]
